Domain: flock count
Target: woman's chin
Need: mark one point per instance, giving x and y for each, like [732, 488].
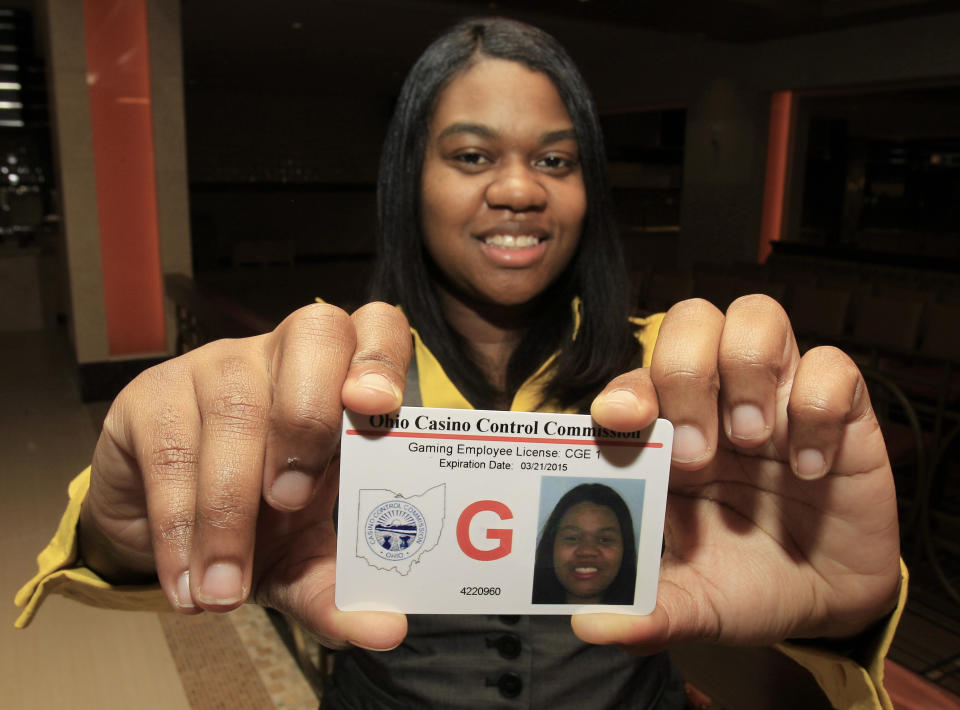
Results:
[572, 599]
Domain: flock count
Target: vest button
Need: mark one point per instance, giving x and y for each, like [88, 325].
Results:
[509, 646]
[510, 685]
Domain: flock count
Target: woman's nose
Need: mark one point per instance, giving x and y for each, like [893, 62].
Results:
[587, 549]
[516, 188]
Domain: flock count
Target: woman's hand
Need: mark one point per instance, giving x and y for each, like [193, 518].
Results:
[781, 517]
[217, 471]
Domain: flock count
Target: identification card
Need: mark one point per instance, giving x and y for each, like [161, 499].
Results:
[452, 511]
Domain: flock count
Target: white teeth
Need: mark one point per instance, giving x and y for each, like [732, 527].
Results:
[509, 241]
[585, 570]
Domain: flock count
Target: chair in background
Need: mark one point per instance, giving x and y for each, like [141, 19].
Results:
[883, 341]
[941, 332]
[264, 252]
[940, 513]
[720, 289]
[887, 325]
[777, 290]
[665, 289]
[818, 314]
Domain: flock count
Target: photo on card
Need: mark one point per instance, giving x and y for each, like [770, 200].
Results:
[587, 540]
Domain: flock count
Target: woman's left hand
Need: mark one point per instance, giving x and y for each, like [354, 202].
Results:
[781, 517]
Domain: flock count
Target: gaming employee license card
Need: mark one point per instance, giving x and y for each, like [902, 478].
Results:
[451, 511]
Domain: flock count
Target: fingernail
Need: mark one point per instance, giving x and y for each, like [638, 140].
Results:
[184, 600]
[222, 584]
[371, 648]
[811, 464]
[376, 382]
[292, 490]
[746, 422]
[688, 444]
[622, 399]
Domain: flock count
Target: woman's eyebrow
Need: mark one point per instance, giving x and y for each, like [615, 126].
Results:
[483, 131]
[557, 136]
[608, 529]
[477, 129]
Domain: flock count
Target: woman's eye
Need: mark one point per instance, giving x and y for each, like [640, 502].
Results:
[556, 163]
[471, 159]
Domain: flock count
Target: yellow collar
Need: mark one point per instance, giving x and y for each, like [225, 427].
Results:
[436, 389]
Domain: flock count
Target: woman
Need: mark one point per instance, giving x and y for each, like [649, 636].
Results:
[461, 289]
[494, 220]
[586, 553]
[216, 473]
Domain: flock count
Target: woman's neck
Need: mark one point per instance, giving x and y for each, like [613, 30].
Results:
[491, 332]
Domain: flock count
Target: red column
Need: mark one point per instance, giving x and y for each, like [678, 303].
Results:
[775, 182]
[118, 77]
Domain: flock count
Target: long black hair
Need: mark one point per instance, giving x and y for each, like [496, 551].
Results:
[546, 587]
[603, 346]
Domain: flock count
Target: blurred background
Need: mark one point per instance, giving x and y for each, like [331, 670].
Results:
[174, 171]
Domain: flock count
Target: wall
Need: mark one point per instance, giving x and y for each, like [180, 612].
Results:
[71, 134]
[169, 141]
[333, 133]
[727, 89]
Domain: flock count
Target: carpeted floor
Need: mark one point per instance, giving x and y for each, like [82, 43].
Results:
[235, 661]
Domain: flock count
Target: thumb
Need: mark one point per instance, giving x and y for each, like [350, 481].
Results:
[304, 588]
[677, 617]
[642, 635]
[300, 576]
[372, 630]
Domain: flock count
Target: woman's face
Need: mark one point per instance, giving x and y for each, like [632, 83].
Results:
[503, 200]
[587, 552]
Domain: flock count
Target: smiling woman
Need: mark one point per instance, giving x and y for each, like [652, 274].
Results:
[495, 214]
[586, 553]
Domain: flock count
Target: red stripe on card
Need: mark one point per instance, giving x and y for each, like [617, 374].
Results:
[509, 439]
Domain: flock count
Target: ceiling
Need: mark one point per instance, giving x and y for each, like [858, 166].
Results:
[735, 20]
[280, 45]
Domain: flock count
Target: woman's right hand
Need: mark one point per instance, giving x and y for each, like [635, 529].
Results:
[217, 471]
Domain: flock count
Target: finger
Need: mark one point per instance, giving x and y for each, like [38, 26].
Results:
[317, 614]
[684, 373]
[681, 612]
[234, 397]
[169, 454]
[373, 630]
[378, 370]
[308, 596]
[678, 616]
[641, 635]
[684, 609]
[757, 353]
[309, 354]
[828, 395]
[628, 403]
[145, 479]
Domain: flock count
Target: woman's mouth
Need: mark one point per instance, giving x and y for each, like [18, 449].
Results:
[511, 241]
[514, 251]
[585, 572]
